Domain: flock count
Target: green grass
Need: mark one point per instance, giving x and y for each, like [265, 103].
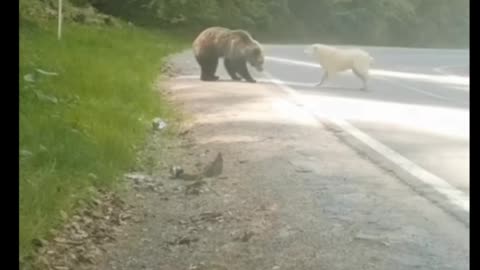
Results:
[82, 128]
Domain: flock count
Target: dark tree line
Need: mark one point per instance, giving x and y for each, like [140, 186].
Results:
[380, 22]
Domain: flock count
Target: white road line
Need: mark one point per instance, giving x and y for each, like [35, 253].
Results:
[454, 195]
[381, 72]
[453, 79]
[379, 48]
[386, 73]
[441, 69]
[295, 62]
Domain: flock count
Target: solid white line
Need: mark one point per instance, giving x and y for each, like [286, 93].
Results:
[378, 72]
[410, 49]
[295, 62]
[461, 80]
[454, 195]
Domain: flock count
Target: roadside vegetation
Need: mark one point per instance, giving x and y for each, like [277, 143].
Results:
[86, 104]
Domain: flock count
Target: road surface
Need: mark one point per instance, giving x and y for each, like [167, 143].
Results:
[312, 178]
[418, 103]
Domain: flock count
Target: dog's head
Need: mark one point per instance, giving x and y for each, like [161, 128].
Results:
[309, 49]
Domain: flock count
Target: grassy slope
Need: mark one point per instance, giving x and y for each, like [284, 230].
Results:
[81, 128]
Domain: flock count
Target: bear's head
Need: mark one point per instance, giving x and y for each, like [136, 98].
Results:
[256, 58]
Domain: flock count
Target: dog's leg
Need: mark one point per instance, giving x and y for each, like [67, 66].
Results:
[324, 77]
[363, 76]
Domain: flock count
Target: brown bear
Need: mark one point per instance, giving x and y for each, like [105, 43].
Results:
[237, 47]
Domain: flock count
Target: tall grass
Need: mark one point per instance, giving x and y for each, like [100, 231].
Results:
[80, 128]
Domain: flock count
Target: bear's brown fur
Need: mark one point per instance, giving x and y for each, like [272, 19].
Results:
[237, 47]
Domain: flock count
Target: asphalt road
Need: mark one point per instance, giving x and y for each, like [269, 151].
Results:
[417, 103]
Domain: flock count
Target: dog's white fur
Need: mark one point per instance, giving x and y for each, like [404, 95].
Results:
[335, 60]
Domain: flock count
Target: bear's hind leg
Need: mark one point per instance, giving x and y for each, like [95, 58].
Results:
[229, 66]
[211, 68]
[208, 66]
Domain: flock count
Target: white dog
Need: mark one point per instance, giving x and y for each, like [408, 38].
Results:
[335, 60]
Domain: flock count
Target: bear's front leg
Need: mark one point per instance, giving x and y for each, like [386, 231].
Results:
[243, 71]
[230, 67]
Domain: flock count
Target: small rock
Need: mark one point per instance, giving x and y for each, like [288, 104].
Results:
[176, 171]
[158, 124]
